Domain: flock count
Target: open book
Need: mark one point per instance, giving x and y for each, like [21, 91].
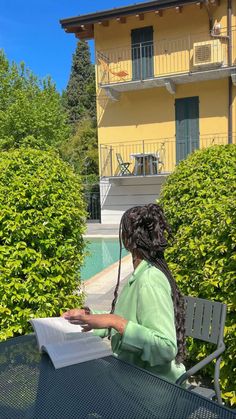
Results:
[65, 343]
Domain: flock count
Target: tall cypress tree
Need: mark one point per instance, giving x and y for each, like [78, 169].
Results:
[80, 97]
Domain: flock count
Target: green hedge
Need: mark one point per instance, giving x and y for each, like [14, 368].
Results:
[199, 199]
[42, 219]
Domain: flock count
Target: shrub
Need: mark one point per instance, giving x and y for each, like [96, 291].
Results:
[42, 219]
[199, 199]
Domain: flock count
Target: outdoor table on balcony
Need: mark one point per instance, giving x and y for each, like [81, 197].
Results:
[30, 387]
[145, 163]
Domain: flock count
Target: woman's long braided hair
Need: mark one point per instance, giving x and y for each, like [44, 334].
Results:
[143, 232]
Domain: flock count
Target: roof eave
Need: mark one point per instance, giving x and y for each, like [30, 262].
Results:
[71, 24]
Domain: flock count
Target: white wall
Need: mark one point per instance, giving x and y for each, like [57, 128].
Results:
[120, 194]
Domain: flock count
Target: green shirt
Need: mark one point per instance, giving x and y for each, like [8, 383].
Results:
[149, 340]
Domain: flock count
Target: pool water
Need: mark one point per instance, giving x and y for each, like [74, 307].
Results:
[102, 253]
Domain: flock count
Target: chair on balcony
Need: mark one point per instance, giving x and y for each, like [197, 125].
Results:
[123, 167]
[205, 320]
[160, 158]
[158, 163]
[122, 74]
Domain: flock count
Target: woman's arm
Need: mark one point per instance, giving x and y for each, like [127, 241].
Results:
[154, 336]
[97, 321]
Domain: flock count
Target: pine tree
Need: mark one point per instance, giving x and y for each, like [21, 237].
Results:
[79, 97]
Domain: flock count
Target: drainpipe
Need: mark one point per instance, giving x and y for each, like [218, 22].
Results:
[230, 83]
[229, 31]
[227, 37]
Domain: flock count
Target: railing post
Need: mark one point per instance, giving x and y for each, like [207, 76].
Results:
[141, 63]
[100, 160]
[111, 161]
[189, 51]
[144, 168]
[97, 72]
[108, 73]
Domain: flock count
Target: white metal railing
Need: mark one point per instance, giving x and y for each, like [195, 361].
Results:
[152, 157]
[190, 53]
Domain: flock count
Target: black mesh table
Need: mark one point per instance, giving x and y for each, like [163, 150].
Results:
[30, 387]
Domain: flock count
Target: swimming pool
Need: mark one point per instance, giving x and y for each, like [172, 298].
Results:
[103, 252]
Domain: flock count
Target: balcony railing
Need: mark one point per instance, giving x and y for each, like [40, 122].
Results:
[166, 57]
[152, 157]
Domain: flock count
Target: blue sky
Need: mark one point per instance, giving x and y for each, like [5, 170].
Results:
[30, 32]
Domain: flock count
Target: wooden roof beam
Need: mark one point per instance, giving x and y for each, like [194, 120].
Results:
[85, 28]
[84, 35]
[121, 19]
[85, 32]
[179, 9]
[104, 23]
[72, 29]
[140, 16]
[215, 2]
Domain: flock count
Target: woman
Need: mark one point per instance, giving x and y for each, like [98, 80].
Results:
[146, 324]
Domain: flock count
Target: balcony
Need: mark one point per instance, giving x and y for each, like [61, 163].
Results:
[151, 157]
[167, 62]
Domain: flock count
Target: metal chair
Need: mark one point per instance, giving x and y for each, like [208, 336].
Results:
[157, 162]
[160, 157]
[121, 74]
[123, 166]
[205, 320]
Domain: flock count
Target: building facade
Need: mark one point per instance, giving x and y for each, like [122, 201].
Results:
[166, 86]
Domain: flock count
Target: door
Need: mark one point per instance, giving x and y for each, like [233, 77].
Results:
[187, 126]
[142, 53]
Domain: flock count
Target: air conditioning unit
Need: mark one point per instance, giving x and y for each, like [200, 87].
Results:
[208, 53]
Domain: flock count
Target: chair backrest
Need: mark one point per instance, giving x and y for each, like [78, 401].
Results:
[205, 319]
[119, 158]
[104, 64]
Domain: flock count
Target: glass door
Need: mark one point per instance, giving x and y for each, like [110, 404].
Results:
[142, 53]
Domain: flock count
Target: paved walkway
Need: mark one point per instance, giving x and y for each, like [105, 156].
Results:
[100, 288]
[98, 230]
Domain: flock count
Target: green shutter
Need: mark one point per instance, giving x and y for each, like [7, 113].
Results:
[187, 126]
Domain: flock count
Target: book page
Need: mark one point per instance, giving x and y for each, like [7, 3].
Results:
[73, 352]
[55, 330]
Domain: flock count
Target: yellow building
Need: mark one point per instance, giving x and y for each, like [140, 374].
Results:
[166, 85]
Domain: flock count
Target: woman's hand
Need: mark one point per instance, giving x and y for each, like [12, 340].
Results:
[73, 313]
[96, 321]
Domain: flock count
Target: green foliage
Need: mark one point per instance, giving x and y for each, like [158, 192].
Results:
[199, 199]
[80, 96]
[31, 112]
[42, 219]
[79, 99]
[81, 149]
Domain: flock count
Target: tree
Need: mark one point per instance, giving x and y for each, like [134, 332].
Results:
[81, 149]
[199, 199]
[80, 95]
[42, 221]
[81, 152]
[31, 112]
